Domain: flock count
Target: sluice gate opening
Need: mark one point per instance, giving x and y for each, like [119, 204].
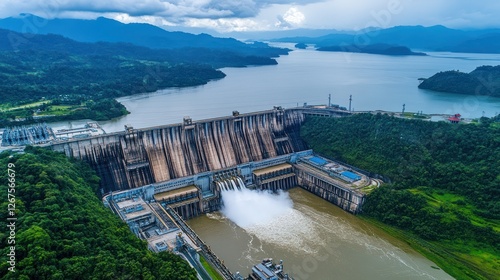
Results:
[228, 180]
[186, 201]
[233, 183]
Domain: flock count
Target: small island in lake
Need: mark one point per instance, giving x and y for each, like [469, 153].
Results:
[484, 80]
[301, 46]
[383, 49]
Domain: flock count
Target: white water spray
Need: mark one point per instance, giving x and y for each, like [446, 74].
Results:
[248, 208]
[270, 217]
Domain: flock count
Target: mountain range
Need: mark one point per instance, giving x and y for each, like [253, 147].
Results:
[434, 38]
[146, 35]
[13, 41]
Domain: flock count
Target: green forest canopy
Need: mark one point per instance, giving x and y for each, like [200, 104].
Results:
[445, 178]
[51, 67]
[484, 80]
[63, 231]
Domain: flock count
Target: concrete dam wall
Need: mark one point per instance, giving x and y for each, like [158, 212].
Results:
[139, 157]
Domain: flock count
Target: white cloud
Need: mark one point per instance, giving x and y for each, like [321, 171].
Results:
[261, 14]
[348, 14]
[294, 16]
[172, 8]
[290, 19]
[226, 24]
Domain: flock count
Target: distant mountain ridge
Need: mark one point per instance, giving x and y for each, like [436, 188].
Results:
[488, 43]
[141, 34]
[433, 38]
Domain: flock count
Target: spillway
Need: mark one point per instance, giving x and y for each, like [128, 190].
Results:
[138, 157]
[199, 160]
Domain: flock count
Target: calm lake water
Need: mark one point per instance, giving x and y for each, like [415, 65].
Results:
[315, 239]
[375, 82]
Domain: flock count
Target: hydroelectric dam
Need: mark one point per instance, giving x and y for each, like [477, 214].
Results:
[157, 177]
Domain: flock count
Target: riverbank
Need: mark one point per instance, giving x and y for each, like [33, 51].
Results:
[447, 257]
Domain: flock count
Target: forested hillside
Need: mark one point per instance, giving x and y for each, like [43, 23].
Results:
[140, 34]
[54, 69]
[63, 231]
[445, 181]
[30, 75]
[484, 80]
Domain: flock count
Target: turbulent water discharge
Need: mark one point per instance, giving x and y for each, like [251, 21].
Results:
[316, 239]
[248, 208]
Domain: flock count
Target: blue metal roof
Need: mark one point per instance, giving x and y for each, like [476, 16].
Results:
[351, 175]
[317, 160]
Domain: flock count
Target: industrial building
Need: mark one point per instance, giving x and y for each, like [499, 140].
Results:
[27, 135]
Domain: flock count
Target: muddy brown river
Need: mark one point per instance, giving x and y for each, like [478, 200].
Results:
[315, 239]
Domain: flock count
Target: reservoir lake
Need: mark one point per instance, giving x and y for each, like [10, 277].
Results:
[376, 82]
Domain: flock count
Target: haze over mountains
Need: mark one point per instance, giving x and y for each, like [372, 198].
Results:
[217, 58]
[146, 35]
[434, 38]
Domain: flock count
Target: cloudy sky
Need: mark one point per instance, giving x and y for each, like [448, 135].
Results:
[258, 15]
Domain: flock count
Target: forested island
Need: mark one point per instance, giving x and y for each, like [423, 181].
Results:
[484, 80]
[63, 231]
[50, 77]
[301, 46]
[444, 197]
[382, 49]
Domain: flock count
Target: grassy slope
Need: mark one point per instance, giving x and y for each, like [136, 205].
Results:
[211, 271]
[461, 261]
